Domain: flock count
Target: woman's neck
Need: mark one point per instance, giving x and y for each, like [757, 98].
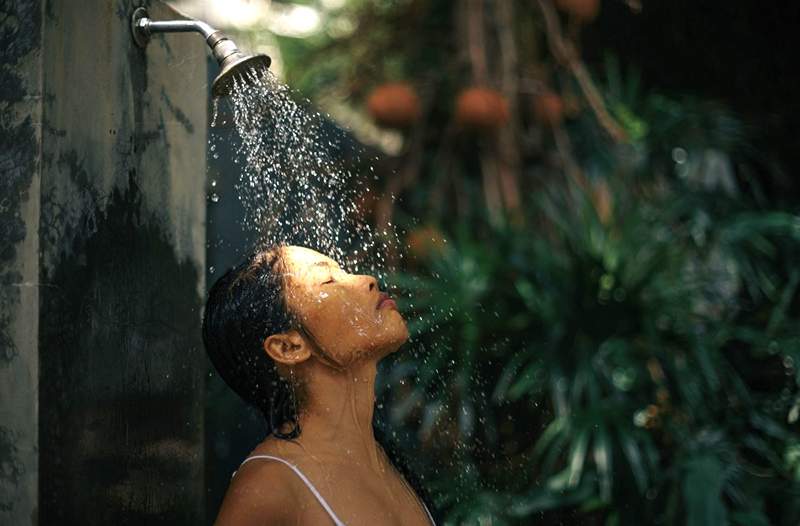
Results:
[336, 417]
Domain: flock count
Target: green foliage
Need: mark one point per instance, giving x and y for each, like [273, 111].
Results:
[638, 368]
[627, 351]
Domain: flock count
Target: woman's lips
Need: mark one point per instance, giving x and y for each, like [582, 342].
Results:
[386, 301]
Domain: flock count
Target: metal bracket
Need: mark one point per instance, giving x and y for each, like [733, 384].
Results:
[138, 29]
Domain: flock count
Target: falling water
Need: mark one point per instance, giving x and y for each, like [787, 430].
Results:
[293, 189]
[296, 189]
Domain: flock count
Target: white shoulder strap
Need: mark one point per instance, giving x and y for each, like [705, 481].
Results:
[307, 482]
[430, 517]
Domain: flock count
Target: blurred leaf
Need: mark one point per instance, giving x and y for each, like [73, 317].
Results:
[702, 491]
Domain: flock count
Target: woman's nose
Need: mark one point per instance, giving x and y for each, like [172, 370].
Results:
[372, 283]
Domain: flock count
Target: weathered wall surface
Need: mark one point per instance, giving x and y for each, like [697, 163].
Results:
[20, 151]
[101, 265]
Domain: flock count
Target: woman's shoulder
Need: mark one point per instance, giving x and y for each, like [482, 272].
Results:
[261, 492]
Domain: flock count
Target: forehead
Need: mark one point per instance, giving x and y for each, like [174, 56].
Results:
[300, 259]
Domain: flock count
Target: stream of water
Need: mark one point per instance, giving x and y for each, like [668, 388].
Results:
[293, 187]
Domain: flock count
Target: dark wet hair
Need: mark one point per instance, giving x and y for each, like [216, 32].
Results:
[245, 306]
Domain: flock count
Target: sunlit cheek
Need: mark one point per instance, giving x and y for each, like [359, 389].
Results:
[359, 322]
[321, 296]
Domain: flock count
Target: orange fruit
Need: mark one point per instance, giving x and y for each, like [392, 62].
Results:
[583, 10]
[425, 241]
[481, 108]
[394, 105]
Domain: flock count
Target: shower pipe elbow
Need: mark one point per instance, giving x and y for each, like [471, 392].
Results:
[143, 28]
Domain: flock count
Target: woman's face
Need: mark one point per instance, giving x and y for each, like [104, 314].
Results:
[346, 315]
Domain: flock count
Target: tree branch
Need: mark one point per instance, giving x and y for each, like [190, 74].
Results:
[566, 54]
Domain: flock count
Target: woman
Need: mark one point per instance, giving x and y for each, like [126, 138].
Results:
[299, 338]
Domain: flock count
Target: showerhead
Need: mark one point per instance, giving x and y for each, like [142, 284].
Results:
[234, 63]
[245, 67]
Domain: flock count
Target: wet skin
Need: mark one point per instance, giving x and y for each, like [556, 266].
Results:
[349, 325]
[342, 312]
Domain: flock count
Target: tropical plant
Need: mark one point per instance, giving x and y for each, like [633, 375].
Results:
[602, 302]
[627, 356]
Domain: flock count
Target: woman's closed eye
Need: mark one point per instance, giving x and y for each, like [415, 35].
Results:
[330, 280]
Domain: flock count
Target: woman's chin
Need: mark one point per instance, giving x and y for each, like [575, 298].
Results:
[394, 327]
[403, 338]
[394, 344]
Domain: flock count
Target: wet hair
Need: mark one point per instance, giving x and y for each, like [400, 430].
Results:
[245, 306]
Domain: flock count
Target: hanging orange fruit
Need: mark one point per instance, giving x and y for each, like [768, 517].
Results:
[425, 241]
[583, 10]
[394, 105]
[481, 108]
[548, 107]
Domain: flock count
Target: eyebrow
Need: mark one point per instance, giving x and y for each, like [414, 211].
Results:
[322, 264]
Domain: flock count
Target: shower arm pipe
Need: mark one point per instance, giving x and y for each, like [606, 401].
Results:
[149, 27]
[232, 62]
[144, 27]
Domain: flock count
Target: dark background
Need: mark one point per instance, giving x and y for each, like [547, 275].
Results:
[740, 53]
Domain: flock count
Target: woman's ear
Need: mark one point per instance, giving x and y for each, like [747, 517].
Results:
[288, 348]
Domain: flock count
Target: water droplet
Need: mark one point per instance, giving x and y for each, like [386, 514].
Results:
[214, 112]
[679, 155]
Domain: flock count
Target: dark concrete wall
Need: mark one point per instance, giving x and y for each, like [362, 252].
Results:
[20, 152]
[101, 266]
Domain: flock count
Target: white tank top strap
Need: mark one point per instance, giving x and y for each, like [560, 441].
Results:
[430, 517]
[307, 482]
[310, 486]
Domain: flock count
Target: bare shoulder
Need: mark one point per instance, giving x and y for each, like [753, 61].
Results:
[262, 493]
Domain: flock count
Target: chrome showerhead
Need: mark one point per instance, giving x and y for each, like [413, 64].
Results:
[234, 63]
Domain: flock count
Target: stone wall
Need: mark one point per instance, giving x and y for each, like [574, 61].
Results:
[102, 241]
